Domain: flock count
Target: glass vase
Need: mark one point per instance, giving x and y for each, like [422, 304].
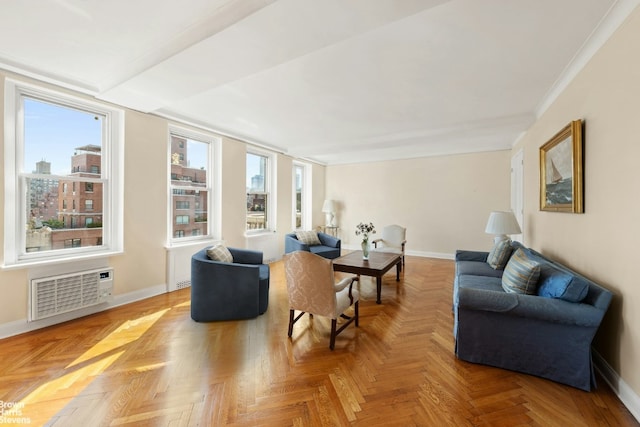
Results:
[365, 249]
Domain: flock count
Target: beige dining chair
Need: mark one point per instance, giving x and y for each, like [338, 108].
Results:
[312, 289]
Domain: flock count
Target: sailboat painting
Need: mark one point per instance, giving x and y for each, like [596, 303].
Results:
[559, 184]
[561, 171]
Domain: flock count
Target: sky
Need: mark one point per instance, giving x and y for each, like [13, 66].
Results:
[253, 167]
[53, 132]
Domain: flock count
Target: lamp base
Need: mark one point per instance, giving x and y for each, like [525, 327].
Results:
[500, 237]
[328, 219]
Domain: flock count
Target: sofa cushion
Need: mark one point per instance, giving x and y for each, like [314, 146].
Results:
[521, 274]
[481, 282]
[219, 253]
[308, 237]
[564, 286]
[499, 254]
[476, 268]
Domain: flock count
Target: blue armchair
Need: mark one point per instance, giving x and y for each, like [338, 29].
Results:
[229, 291]
[329, 247]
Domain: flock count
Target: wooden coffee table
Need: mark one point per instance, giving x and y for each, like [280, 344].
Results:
[377, 265]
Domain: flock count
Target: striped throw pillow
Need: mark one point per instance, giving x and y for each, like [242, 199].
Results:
[521, 274]
[499, 255]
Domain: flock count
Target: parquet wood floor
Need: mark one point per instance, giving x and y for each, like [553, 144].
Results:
[149, 364]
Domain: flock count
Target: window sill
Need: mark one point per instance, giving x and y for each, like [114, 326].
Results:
[41, 262]
[258, 233]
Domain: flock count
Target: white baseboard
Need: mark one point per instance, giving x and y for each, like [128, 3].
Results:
[625, 393]
[422, 254]
[438, 255]
[22, 326]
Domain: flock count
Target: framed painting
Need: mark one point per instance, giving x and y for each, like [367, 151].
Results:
[561, 171]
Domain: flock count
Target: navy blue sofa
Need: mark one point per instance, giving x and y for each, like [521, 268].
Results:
[229, 291]
[538, 335]
[330, 247]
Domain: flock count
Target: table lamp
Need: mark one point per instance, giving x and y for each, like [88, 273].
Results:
[329, 208]
[502, 223]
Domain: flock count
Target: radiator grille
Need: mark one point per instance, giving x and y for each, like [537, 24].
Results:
[61, 294]
[183, 284]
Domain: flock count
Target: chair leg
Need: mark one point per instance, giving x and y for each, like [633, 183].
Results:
[291, 321]
[332, 341]
[357, 315]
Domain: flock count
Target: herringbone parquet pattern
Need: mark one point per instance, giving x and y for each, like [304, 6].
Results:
[149, 364]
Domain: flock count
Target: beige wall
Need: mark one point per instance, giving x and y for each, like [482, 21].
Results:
[444, 202]
[234, 200]
[145, 201]
[602, 242]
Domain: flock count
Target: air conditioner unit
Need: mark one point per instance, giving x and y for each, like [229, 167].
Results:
[54, 295]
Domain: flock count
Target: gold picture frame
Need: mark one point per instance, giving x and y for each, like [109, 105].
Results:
[561, 171]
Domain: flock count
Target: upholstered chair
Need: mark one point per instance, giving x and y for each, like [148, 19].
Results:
[393, 240]
[312, 289]
[232, 290]
[318, 243]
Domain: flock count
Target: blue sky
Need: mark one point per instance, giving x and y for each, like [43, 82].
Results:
[253, 168]
[52, 133]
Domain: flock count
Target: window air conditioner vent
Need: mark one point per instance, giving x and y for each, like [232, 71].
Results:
[61, 294]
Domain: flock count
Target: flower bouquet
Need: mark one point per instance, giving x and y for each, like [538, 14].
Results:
[364, 230]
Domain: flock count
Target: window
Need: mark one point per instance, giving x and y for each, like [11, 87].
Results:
[259, 203]
[88, 205]
[53, 143]
[190, 184]
[298, 174]
[301, 196]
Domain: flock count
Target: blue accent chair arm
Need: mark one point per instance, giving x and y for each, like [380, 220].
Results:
[246, 256]
[292, 244]
[329, 240]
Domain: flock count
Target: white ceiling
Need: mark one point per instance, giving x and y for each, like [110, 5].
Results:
[335, 81]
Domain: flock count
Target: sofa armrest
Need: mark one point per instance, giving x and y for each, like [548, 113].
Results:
[328, 240]
[246, 256]
[462, 255]
[292, 244]
[550, 310]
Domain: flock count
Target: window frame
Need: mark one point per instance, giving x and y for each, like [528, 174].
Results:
[269, 190]
[211, 187]
[112, 150]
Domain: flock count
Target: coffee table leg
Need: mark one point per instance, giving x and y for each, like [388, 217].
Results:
[398, 268]
[379, 288]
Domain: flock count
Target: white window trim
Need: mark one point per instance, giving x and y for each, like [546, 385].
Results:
[214, 190]
[306, 196]
[270, 190]
[14, 205]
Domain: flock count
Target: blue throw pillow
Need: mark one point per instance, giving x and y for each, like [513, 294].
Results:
[564, 286]
[521, 274]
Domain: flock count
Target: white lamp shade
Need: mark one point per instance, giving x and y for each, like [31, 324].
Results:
[329, 206]
[502, 223]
